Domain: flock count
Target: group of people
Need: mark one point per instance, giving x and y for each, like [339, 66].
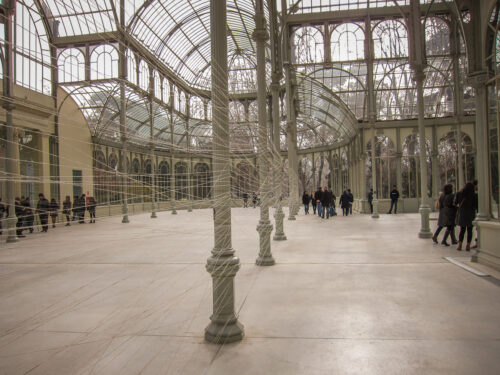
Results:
[323, 202]
[255, 200]
[394, 195]
[25, 212]
[456, 209]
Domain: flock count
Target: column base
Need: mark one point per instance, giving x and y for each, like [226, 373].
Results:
[265, 257]
[224, 333]
[279, 237]
[174, 212]
[190, 209]
[12, 239]
[125, 219]
[425, 230]
[153, 215]
[375, 215]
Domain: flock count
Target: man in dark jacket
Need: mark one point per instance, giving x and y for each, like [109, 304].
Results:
[370, 200]
[325, 203]
[351, 200]
[19, 210]
[42, 208]
[394, 199]
[317, 197]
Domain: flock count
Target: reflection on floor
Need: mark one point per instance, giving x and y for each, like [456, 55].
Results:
[350, 295]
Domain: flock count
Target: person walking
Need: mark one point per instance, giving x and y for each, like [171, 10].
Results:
[313, 203]
[54, 211]
[351, 200]
[446, 218]
[317, 197]
[333, 198]
[325, 203]
[67, 210]
[370, 200]
[19, 211]
[254, 199]
[305, 201]
[344, 203]
[467, 207]
[394, 200]
[91, 209]
[29, 217]
[81, 209]
[3, 211]
[245, 200]
[42, 209]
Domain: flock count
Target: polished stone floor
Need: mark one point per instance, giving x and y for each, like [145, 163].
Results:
[347, 296]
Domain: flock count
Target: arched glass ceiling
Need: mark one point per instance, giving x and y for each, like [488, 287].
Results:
[178, 33]
[322, 117]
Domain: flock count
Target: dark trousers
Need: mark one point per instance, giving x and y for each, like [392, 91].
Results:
[92, 216]
[371, 207]
[461, 235]
[44, 221]
[326, 209]
[450, 231]
[394, 203]
[19, 225]
[314, 209]
[345, 211]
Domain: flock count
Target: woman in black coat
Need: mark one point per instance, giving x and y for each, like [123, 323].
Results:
[467, 207]
[305, 201]
[447, 211]
[345, 203]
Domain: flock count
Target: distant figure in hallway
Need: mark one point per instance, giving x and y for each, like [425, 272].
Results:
[42, 209]
[19, 211]
[254, 199]
[370, 200]
[91, 209]
[29, 217]
[305, 201]
[3, 211]
[447, 213]
[54, 211]
[317, 197]
[351, 200]
[394, 199]
[245, 200]
[81, 209]
[313, 202]
[467, 207]
[67, 210]
[326, 200]
[333, 198]
[344, 203]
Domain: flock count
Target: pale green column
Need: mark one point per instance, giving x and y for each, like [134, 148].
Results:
[223, 264]
[12, 146]
[264, 228]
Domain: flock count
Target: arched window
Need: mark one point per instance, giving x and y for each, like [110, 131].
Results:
[147, 181]
[242, 74]
[385, 164]
[347, 41]
[101, 184]
[410, 167]
[163, 178]
[181, 181]
[165, 91]
[196, 108]
[144, 75]
[131, 67]
[71, 65]
[114, 182]
[182, 102]
[157, 84]
[202, 181]
[175, 98]
[104, 62]
[448, 159]
[390, 39]
[308, 45]
[135, 182]
[209, 110]
[437, 36]
[236, 111]
[31, 48]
